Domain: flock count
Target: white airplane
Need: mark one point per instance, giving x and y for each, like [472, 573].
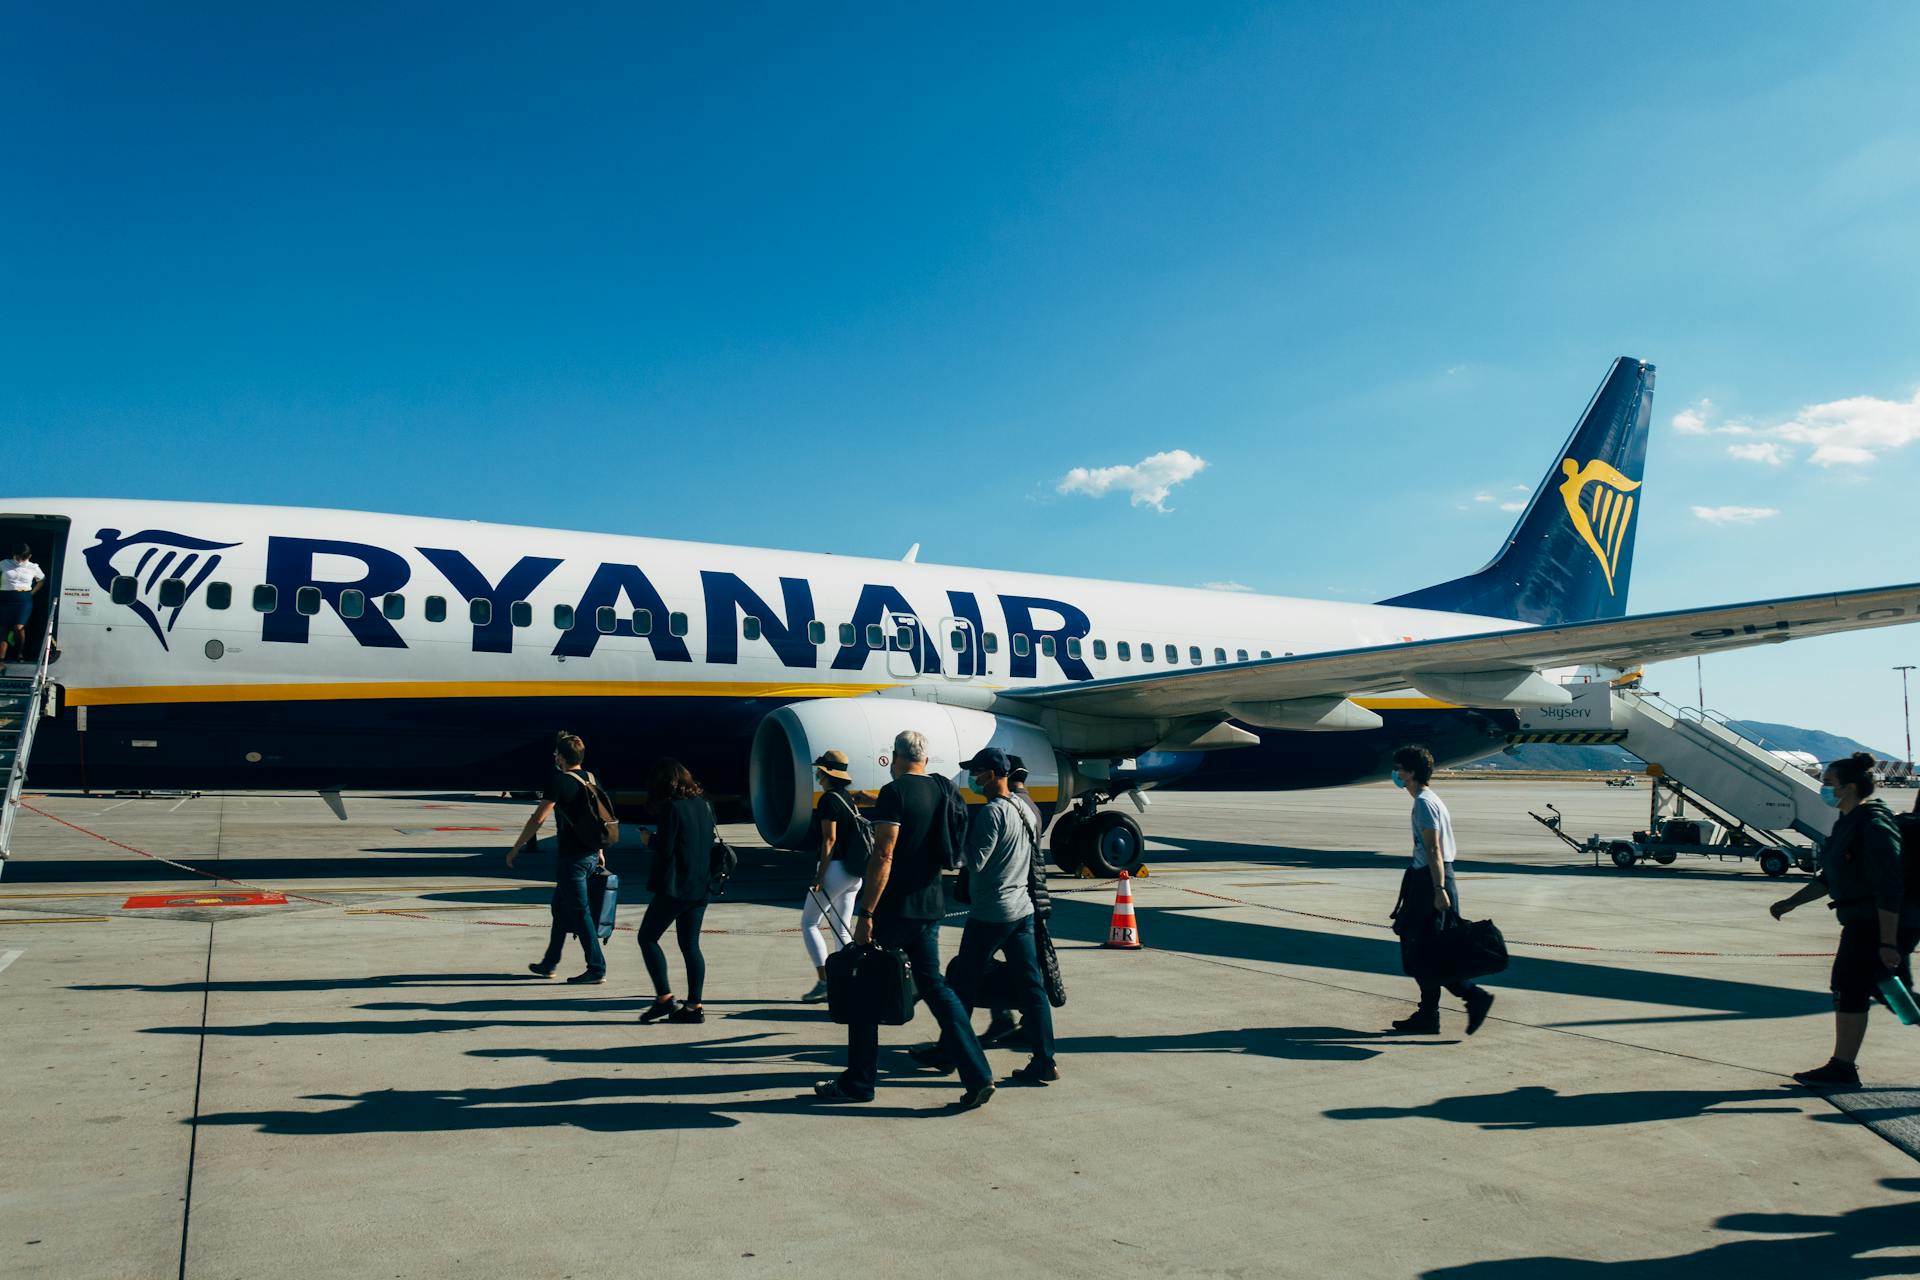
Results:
[212, 645]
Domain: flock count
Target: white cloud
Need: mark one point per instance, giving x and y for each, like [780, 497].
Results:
[1735, 515]
[1483, 497]
[1854, 431]
[1513, 506]
[1146, 483]
[1766, 451]
[1692, 421]
[1225, 586]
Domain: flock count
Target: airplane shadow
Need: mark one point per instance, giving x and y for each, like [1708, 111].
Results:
[1267, 856]
[1833, 1246]
[1541, 1107]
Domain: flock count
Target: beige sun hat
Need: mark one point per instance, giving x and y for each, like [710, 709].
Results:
[834, 765]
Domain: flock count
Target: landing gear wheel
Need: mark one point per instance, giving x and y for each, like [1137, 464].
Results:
[1064, 842]
[1774, 863]
[1110, 843]
[1623, 856]
[1665, 857]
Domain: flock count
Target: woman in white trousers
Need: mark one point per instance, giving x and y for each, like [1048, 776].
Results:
[837, 880]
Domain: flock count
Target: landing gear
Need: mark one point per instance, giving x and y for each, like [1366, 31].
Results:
[1104, 842]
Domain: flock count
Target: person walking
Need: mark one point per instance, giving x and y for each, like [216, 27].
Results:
[575, 861]
[899, 906]
[1860, 871]
[20, 579]
[1001, 1028]
[678, 879]
[843, 860]
[999, 854]
[1429, 894]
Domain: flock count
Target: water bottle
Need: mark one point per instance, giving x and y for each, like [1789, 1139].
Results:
[1899, 999]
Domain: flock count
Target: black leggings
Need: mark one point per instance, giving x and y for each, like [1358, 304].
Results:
[685, 917]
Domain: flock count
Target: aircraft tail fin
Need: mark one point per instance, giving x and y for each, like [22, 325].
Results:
[1570, 555]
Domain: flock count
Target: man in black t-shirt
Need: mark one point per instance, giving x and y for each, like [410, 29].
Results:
[574, 861]
[900, 906]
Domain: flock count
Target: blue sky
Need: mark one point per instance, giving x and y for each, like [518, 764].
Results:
[845, 279]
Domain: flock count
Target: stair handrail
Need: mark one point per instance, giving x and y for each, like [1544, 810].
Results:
[29, 721]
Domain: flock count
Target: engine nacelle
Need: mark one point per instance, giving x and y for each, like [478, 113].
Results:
[789, 740]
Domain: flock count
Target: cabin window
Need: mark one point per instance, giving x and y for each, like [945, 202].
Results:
[266, 597]
[1073, 647]
[750, 628]
[676, 624]
[353, 604]
[1123, 651]
[1048, 647]
[124, 590]
[307, 600]
[563, 617]
[173, 592]
[957, 640]
[1193, 654]
[1099, 651]
[990, 642]
[1022, 646]
[1173, 654]
[847, 635]
[219, 595]
[520, 613]
[643, 622]
[436, 609]
[393, 606]
[480, 612]
[1266, 653]
[876, 638]
[1239, 655]
[605, 619]
[816, 632]
[1146, 653]
[1220, 655]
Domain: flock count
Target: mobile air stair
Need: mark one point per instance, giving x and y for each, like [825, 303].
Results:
[22, 703]
[1765, 796]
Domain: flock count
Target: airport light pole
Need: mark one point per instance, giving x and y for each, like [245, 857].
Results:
[1906, 714]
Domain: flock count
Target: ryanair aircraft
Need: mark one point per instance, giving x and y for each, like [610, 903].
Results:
[206, 645]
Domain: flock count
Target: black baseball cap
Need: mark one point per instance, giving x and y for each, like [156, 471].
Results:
[1019, 771]
[991, 759]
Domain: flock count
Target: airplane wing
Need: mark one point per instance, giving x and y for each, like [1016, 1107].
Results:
[1612, 642]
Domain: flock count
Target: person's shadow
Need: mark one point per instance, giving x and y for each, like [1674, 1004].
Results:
[1832, 1246]
[1536, 1106]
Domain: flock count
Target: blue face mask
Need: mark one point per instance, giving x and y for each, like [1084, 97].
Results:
[1830, 796]
[1398, 781]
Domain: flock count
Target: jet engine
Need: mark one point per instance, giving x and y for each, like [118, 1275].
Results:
[789, 740]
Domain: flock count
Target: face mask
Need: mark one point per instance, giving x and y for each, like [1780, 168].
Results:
[1399, 781]
[1830, 796]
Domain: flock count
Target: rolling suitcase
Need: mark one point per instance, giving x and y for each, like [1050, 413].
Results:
[603, 899]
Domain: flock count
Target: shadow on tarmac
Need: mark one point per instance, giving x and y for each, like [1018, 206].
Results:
[1267, 856]
[1832, 1246]
[1542, 1107]
[1183, 930]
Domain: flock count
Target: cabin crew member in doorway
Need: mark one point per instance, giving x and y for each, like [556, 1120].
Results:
[20, 578]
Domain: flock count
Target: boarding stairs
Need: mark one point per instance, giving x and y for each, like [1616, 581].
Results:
[1703, 750]
[22, 703]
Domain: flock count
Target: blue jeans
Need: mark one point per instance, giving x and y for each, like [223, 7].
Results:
[571, 915]
[920, 939]
[1014, 940]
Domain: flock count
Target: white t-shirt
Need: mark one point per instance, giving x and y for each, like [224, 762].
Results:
[1429, 814]
[19, 575]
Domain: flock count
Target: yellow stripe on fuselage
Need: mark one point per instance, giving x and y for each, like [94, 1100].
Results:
[345, 691]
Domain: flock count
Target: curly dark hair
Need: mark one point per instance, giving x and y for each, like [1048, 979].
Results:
[670, 781]
[1416, 762]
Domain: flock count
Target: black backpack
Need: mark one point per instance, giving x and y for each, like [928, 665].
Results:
[601, 830]
[949, 831]
[1909, 825]
[857, 827]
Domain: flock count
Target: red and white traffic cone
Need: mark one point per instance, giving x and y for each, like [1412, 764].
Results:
[1124, 933]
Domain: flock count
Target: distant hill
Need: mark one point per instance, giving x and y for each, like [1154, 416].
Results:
[1776, 737]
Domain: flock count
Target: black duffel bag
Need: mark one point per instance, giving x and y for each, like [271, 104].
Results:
[869, 984]
[1459, 951]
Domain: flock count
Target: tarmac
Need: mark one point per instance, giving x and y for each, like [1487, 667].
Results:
[363, 1081]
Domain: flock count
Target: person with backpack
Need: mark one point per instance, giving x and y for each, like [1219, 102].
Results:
[900, 904]
[1429, 896]
[846, 839]
[1001, 847]
[680, 880]
[583, 811]
[1877, 900]
[1001, 1028]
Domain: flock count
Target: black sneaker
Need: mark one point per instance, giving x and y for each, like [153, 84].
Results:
[930, 1057]
[539, 971]
[834, 1091]
[1037, 1072]
[1836, 1074]
[688, 1013]
[659, 1009]
[591, 978]
[1420, 1024]
[1477, 1005]
[975, 1098]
